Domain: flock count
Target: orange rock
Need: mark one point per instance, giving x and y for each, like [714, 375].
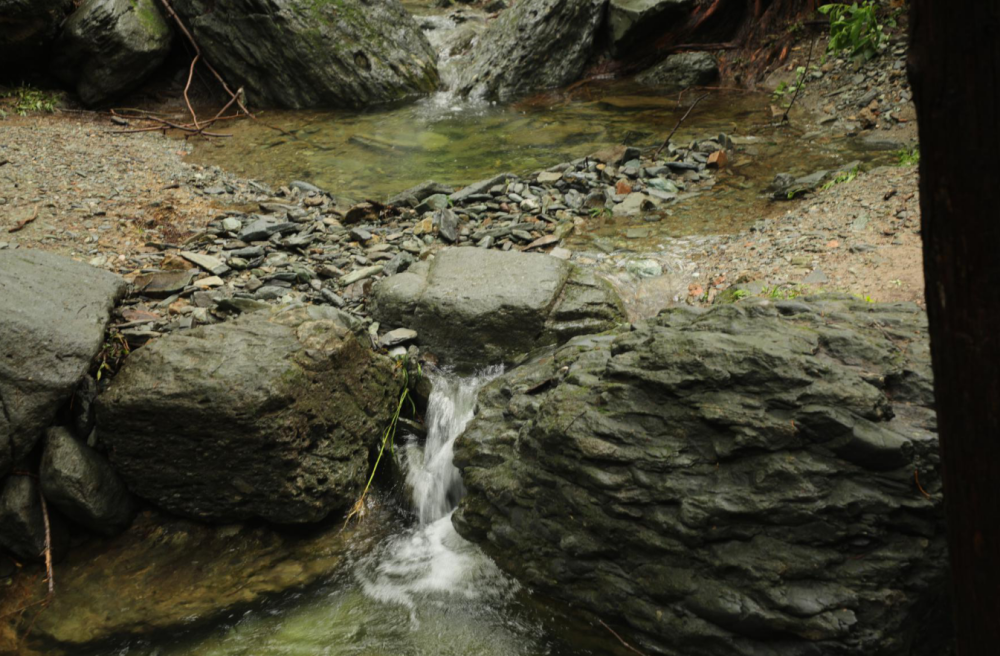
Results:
[623, 187]
[694, 289]
[174, 262]
[718, 160]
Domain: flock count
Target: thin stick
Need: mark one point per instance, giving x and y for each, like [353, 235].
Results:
[48, 544]
[666, 141]
[916, 478]
[802, 82]
[194, 117]
[620, 639]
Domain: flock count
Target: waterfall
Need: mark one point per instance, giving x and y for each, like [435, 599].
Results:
[431, 560]
[431, 474]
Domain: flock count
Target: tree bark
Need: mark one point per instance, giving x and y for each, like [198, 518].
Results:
[954, 67]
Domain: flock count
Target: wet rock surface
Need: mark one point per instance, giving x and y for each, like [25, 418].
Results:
[22, 522]
[471, 306]
[300, 53]
[108, 47]
[680, 71]
[168, 574]
[631, 20]
[53, 314]
[81, 483]
[732, 481]
[534, 44]
[268, 416]
[27, 31]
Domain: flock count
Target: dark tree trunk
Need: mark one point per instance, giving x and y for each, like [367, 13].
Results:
[955, 72]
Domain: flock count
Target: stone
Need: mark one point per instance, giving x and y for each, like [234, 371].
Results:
[303, 53]
[213, 265]
[270, 415]
[360, 234]
[630, 21]
[81, 483]
[412, 196]
[473, 306]
[397, 337]
[816, 277]
[718, 160]
[737, 480]
[447, 223]
[547, 177]
[360, 274]
[231, 224]
[533, 45]
[22, 525]
[53, 314]
[480, 187]
[163, 283]
[109, 47]
[681, 71]
[433, 203]
[634, 204]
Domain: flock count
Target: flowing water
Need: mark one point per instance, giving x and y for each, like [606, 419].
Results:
[420, 590]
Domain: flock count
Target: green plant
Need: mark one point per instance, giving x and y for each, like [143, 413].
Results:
[113, 352]
[908, 157]
[841, 178]
[740, 293]
[24, 100]
[388, 438]
[780, 294]
[596, 212]
[856, 28]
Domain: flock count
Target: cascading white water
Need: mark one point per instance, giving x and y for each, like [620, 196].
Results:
[431, 474]
[431, 559]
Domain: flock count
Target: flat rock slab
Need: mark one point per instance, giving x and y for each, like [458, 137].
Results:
[474, 306]
[53, 314]
[269, 416]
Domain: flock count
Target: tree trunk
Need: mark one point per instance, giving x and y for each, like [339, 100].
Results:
[955, 71]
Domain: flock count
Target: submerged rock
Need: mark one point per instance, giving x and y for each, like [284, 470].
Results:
[309, 53]
[166, 574]
[81, 483]
[472, 306]
[733, 481]
[268, 415]
[109, 46]
[53, 313]
[681, 71]
[22, 522]
[535, 44]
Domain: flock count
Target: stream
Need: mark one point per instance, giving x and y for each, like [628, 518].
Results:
[418, 588]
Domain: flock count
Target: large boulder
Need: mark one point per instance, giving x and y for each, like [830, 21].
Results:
[27, 29]
[758, 479]
[109, 46]
[535, 44]
[269, 416]
[309, 53]
[631, 21]
[681, 71]
[81, 483]
[474, 306]
[53, 314]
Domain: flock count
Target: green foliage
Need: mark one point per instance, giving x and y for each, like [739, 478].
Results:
[908, 157]
[778, 96]
[780, 294]
[112, 354]
[856, 28]
[24, 100]
[842, 177]
[740, 293]
[596, 212]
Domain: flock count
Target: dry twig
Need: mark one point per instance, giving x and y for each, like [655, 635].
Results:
[620, 639]
[48, 544]
[802, 82]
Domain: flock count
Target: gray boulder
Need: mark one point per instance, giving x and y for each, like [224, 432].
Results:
[53, 314]
[535, 44]
[81, 483]
[109, 46]
[681, 71]
[737, 481]
[630, 21]
[303, 53]
[27, 29]
[22, 523]
[268, 415]
[474, 306]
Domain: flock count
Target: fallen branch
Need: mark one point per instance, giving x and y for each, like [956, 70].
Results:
[802, 82]
[187, 100]
[670, 136]
[48, 544]
[621, 640]
[20, 224]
